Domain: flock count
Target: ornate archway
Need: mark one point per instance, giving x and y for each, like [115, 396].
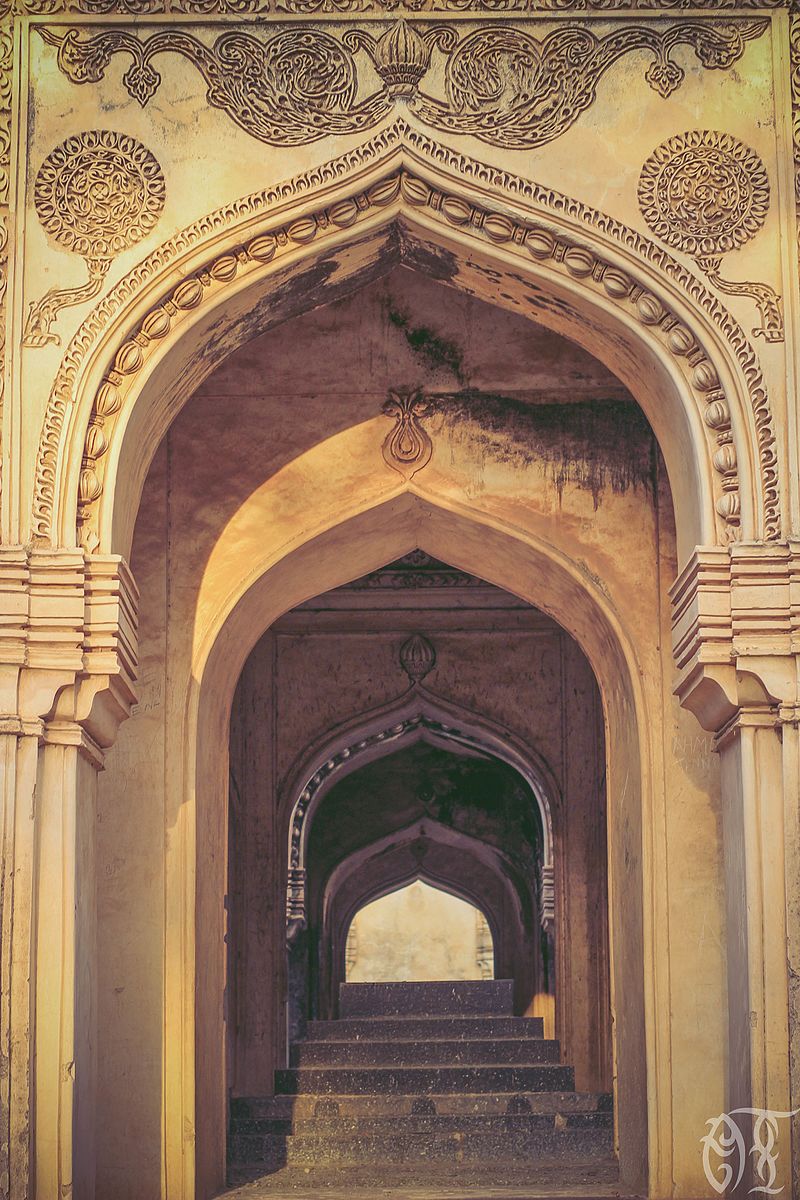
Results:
[404, 197]
[419, 715]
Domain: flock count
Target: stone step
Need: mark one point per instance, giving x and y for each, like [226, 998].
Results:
[423, 1180]
[419, 1080]
[478, 997]
[421, 1028]
[420, 1122]
[503, 1146]
[436, 1051]
[358, 1105]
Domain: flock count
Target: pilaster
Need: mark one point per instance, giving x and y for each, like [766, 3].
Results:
[735, 641]
[67, 666]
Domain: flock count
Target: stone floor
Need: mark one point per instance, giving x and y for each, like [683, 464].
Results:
[598, 1182]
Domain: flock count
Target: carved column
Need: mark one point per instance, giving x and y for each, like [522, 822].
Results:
[736, 646]
[66, 666]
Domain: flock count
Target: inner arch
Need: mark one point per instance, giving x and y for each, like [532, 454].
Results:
[418, 932]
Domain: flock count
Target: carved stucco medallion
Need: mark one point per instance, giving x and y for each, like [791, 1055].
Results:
[97, 194]
[706, 193]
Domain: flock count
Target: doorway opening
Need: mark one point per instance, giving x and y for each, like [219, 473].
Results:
[418, 932]
[439, 827]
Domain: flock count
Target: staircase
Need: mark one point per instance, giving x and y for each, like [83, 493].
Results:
[420, 1077]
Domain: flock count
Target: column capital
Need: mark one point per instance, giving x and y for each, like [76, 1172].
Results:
[736, 631]
[68, 650]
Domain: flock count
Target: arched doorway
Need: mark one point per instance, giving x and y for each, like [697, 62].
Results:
[418, 932]
[539, 535]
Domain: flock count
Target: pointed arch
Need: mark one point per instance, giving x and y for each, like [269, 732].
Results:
[404, 198]
[417, 715]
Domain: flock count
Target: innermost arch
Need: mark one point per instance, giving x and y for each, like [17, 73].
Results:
[418, 933]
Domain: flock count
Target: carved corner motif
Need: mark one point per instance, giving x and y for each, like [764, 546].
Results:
[96, 194]
[501, 84]
[707, 193]
[407, 447]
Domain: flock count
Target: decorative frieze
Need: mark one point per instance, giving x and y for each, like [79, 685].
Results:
[502, 85]
[706, 193]
[376, 8]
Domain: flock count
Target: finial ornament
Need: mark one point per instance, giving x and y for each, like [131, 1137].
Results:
[402, 54]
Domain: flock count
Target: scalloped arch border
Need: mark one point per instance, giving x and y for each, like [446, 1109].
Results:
[582, 261]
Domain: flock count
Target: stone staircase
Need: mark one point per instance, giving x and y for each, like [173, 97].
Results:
[422, 1076]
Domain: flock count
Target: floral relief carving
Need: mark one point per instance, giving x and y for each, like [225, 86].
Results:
[522, 237]
[407, 447]
[502, 85]
[96, 194]
[706, 193]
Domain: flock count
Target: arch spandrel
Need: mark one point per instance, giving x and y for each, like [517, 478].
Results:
[152, 341]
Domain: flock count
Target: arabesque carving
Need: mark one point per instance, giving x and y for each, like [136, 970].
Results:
[96, 194]
[502, 85]
[706, 193]
[407, 447]
[521, 237]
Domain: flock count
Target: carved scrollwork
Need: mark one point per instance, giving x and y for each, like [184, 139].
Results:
[707, 193]
[294, 88]
[407, 447]
[502, 85]
[514, 90]
[96, 194]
